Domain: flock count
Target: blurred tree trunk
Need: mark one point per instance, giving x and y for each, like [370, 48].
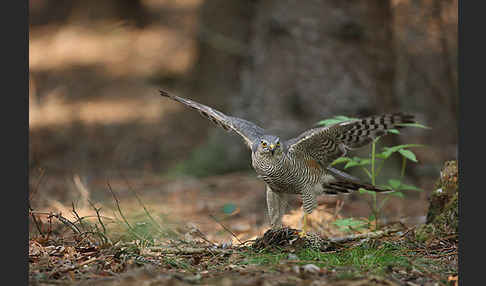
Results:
[301, 62]
[426, 79]
[288, 64]
[223, 34]
[316, 59]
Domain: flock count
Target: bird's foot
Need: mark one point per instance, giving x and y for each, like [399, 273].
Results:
[303, 234]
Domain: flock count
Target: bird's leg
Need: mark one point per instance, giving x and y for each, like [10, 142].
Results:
[309, 203]
[276, 207]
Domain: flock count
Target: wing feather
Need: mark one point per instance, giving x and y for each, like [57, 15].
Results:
[246, 129]
[325, 144]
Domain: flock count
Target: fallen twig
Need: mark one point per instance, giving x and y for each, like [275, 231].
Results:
[142, 204]
[34, 191]
[121, 213]
[188, 250]
[374, 234]
[80, 219]
[97, 210]
[225, 228]
[66, 222]
[74, 267]
[31, 212]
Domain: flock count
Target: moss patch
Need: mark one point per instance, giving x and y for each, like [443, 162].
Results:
[443, 214]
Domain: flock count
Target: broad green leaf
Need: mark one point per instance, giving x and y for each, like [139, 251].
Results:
[334, 120]
[357, 162]
[382, 156]
[410, 188]
[364, 162]
[385, 187]
[365, 191]
[408, 154]
[341, 160]
[418, 125]
[395, 184]
[398, 194]
[390, 150]
[349, 222]
[385, 154]
[344, 118]
[328, 122]
[351, 164]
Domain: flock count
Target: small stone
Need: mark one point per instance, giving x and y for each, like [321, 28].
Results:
[311, 268]
[296, 269]
[293, 257]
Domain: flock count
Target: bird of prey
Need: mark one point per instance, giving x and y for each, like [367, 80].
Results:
[298, 165]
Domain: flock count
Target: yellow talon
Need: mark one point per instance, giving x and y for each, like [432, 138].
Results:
[303, 233]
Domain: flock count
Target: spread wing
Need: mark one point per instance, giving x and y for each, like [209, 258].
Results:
[246, 129]
[325, 144]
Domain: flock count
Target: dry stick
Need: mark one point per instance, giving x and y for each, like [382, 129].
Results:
[91, 216]
[374, 234]
[67, 222]
[74, 267]
[34, 191]
[88, 216]
[188, 250]
[78, 218]
[247, 241]
[214, 218]
[141, 203]
[203, 236]
[97, 210]
[50, 228]
[121, 213]
[101, 235]
[31, 212]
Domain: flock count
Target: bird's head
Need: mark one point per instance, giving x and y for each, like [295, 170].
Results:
[269, 145]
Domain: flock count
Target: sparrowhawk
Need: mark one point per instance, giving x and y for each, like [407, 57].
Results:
[298, 165]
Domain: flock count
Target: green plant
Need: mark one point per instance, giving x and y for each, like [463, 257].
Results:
[370, 257]
[350, 224]
[369, 166]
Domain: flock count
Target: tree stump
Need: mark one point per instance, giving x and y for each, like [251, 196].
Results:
[443, 214]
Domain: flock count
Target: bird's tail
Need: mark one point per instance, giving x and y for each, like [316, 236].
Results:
[347, 187]
[344, 183]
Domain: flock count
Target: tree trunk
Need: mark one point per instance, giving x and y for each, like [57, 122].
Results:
[288, 64]
[426, 73]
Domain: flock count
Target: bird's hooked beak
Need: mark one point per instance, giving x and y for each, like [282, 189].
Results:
[272, 148]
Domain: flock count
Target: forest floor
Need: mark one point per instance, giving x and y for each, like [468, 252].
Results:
[147, 230]
[95, 106]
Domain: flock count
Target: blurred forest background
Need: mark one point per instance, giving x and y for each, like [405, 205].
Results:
[96, 68]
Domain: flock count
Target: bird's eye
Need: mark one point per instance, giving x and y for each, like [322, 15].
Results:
[264, 144]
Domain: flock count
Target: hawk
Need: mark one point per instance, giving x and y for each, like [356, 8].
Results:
[298, 165]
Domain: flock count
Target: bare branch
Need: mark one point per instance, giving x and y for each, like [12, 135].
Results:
[121, 213]
[225, 228]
